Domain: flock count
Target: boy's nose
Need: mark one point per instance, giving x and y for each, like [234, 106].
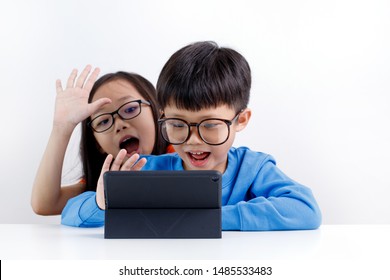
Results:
[194, 137]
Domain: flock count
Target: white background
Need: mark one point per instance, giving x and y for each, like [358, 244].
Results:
[320, 94]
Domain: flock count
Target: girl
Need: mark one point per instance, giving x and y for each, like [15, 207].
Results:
[118, 112]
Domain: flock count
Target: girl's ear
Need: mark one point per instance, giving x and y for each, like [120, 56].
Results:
[243, 119]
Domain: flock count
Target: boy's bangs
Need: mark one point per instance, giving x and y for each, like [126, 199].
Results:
[196, 98]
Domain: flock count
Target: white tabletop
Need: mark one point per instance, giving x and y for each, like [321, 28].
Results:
[39, 241]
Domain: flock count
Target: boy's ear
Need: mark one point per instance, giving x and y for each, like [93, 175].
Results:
[243, 119]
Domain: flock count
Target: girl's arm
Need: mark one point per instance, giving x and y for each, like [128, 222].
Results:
[48, 197]
[86, 209]
[72, 107]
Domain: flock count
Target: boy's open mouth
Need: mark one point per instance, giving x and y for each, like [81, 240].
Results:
[130, 144]
[198, 159]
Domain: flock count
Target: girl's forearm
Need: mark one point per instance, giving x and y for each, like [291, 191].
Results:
[47, 194]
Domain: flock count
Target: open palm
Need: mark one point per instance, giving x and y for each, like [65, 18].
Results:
[119, 164]
[72, 105]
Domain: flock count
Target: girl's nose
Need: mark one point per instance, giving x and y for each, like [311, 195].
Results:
[119, 123]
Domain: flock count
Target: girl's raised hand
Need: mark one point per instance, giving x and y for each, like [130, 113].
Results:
[132, 163]
[72, 105]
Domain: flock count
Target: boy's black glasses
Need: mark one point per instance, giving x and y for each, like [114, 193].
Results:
[212, 131]
[127, 111]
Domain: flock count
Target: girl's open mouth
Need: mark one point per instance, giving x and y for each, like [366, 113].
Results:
[130, 144]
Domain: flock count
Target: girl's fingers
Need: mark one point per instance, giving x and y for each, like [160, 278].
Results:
[81, 80]
[96, 105]
[91, 80]
[58, 86]
[138, 166]
[116, 165]
[100, 199]
[130, 162]
[106, 164]
[71, 79]
[83, 76]
[134, 163]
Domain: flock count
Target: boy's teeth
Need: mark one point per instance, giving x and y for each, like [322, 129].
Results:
[199, 155]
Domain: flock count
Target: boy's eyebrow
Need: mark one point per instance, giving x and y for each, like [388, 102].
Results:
[179, 116]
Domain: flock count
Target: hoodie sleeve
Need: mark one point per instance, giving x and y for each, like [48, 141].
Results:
[271, 202]
[83, 211]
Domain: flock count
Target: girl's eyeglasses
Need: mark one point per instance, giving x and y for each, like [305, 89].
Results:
[127, 111]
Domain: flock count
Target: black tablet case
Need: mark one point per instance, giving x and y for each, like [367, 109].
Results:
[162, 204]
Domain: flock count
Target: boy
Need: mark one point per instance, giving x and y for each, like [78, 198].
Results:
[204, 91]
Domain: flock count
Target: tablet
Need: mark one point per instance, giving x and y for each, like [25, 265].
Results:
[163, 204]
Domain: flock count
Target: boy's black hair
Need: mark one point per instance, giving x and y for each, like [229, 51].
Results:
[204, 75]
[91, 156]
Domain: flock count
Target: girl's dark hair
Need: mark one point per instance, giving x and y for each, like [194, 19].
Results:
[92, 158]
[204, 75]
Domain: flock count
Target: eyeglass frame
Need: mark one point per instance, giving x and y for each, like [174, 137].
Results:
[161, 120]
[116, 112]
